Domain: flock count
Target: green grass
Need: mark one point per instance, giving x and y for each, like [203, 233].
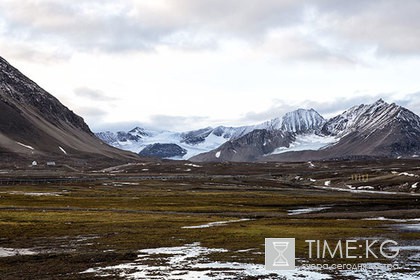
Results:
[111, 218]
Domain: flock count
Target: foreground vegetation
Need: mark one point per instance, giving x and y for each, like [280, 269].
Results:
[76, 227]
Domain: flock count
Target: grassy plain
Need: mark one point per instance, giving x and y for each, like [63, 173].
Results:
[73, 227]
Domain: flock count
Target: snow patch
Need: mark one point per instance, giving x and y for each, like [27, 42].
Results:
[220, 223]
[364, 191]
[408, 174]
[327, 183]
[392, 220]
[306, 210]
[190, 262]
[127, 183]
[307, 142]
[365, 188]
[34, 193]
[10, 252]
[217, 155]
[192, 165]
[64, 152]
[26, 146]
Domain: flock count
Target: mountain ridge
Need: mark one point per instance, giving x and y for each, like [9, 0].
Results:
[209, 138]
[377, 129]
[34, 125]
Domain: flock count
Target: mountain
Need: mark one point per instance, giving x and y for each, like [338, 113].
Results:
[249, 147]
[206, 139]
[265, 138]
[373, 130]
[34, 125]
[193, 142]
[298, 121]
[163, 151]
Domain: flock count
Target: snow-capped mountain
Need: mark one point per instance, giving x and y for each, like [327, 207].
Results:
[302, 121]
[370, 117]
[193, 142]
[253, 142]
[373, 130]
[298, 121]
[378, 129]
[203, 140]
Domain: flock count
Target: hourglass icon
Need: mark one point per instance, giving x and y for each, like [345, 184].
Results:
[281, 247]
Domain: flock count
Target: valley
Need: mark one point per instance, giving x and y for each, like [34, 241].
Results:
[180, 220]
[79, 205]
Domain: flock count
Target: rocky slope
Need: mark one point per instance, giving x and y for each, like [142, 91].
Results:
[34, 125]
[249, 147]
[163, 151]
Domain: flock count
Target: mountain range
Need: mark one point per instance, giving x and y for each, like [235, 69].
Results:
[372, 130]
[35, 126]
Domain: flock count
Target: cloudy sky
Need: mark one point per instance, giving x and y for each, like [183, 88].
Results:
[185, 64]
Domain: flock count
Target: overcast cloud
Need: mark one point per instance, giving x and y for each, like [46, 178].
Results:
[180, 64]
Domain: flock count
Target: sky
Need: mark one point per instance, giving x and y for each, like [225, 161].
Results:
[186, 64]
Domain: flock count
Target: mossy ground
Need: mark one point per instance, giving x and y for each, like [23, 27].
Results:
[105, 223]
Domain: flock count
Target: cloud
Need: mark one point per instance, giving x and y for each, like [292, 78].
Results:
[332, 29]
[156, 122]
[32, 52]
[90, 112]
[277, 109]
[332, 107]
[411, 101]
[101, 126]
[118, 26]
[176, 123]
[390, 27]
[327, 109]
[95, 95]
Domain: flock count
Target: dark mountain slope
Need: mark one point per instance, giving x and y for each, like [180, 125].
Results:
[35, 125]
[249, 147]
